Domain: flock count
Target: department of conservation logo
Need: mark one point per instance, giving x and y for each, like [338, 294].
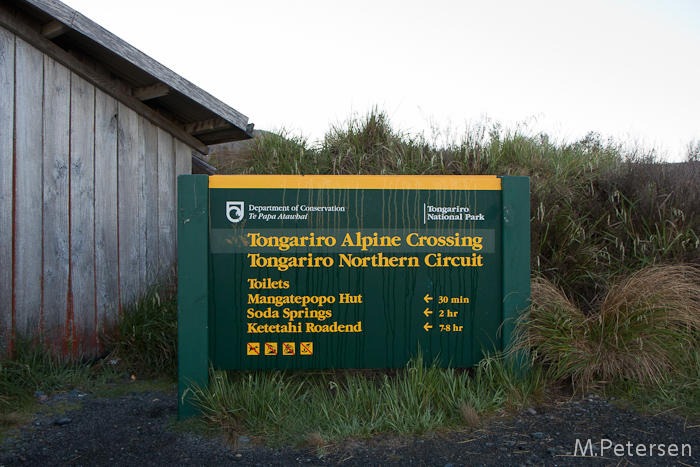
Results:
[235, 210]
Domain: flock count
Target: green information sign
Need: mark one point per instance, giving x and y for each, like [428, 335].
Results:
[313, 272]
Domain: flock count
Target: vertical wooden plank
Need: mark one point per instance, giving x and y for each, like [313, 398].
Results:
[166, 207]
[7, 91]
[27, 225]
[106, 225]
[183, 159]
[128, 199]
[148, 218]
[82, 215]
[56, 226]
[140, 212]
[150, 191]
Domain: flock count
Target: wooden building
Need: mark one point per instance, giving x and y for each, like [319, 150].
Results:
[93, 134]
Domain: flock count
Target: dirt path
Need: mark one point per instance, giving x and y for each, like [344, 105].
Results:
[134, 430]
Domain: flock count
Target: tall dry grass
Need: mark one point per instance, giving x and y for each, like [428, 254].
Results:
[645, 330]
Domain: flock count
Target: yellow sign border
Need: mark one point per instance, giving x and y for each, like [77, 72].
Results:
[359, 182]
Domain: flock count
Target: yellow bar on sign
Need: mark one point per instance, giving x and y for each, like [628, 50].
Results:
[359, 182]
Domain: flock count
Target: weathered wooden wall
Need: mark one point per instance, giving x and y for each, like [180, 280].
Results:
[87, 202]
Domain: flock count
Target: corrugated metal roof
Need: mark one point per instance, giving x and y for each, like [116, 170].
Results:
[192, 109]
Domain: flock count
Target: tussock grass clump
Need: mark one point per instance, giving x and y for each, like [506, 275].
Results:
[281, 153]
[645, 329]
[144, 338]
[371, 146]
[268, 152]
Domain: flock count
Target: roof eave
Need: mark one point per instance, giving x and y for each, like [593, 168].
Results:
[221, 124]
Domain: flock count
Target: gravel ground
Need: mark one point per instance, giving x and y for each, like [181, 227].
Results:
[134, 430]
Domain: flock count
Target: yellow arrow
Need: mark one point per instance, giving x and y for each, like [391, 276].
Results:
[427, 298]
[428, 312]
[427, 327]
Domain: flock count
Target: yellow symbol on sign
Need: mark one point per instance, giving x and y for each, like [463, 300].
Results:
[288, 348]
[253, 348]
[306, 348]
[270, 348]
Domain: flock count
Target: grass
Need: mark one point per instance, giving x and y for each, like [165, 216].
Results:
[144, 338]
[299, 408]
[644, 331]
[679, 393]
[11, 420]
[34, 368]
[119, 388]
